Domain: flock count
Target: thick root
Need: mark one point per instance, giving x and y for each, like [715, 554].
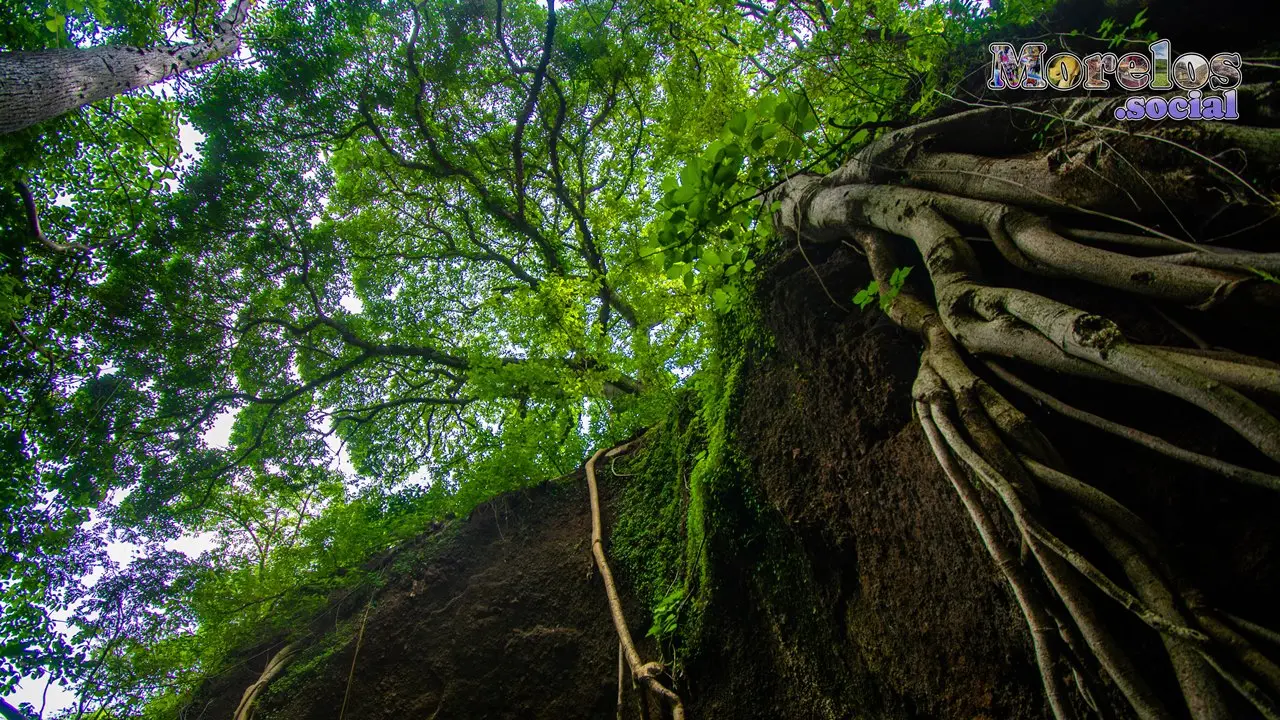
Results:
[644, 673]
[914, 186]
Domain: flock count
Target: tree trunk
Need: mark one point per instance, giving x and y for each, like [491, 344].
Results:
[43, 84]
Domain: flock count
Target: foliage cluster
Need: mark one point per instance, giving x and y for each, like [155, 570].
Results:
[425, 254]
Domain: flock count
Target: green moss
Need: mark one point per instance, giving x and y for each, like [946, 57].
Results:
[682, 503]
[311, 662]
[647, 541]
[418, 552]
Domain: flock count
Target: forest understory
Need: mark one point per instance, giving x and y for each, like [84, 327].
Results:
[646, 360]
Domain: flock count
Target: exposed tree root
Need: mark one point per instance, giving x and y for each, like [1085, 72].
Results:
[1033, 609]
[910, 188]
[1225, 469]
[645, 673]
[274, 666]
[621, 679]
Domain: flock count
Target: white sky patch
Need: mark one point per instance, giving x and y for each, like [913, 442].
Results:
[419, 478]
[190, 140]
[352, 304]
[33, 691]
[219, 434]
[682, 371]
[122, 553]
[193, 546]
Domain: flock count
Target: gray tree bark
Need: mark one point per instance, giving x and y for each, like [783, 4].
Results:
[43, 84]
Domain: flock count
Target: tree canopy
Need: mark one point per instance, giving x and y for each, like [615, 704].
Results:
[425, 253]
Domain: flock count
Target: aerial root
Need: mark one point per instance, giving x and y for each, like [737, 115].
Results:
[1056, 560]
[945, 384]
[1033, 609]
[981, 440]
[644, 673]
[1225, 469]
[1199, 645]
[1258, 631]
[275, 665]
[1242, 372]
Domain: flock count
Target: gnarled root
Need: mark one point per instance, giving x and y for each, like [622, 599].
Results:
[646, 674]
[982, 441]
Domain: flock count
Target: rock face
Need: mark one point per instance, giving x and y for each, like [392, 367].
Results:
[501, 616]
[847, 580]
[920, 623]
[857, 592]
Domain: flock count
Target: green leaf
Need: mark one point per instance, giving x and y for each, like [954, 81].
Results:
[721, 299]
[684, 194]
[867, 295]
[714, 152]
[737, 123]
[691, 175]
[808, 122]
[57, 22]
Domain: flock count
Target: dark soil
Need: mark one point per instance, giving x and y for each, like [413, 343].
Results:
[501, 617]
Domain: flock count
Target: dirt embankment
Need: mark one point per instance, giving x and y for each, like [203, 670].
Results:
[500, 616]
[847, 579]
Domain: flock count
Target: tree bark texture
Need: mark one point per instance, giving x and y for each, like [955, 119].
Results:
[43, 84]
